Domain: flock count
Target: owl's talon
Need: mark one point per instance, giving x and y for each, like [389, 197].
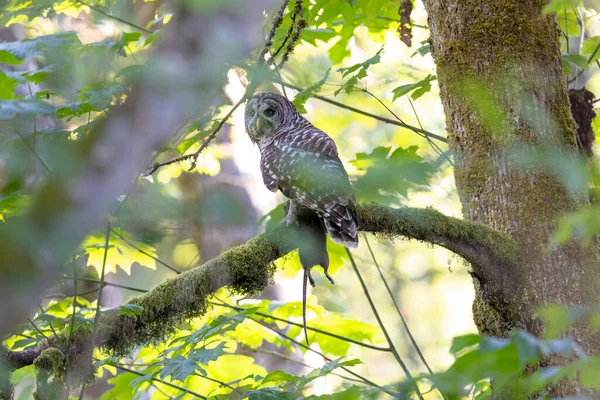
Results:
[329, 277]
[311, 279]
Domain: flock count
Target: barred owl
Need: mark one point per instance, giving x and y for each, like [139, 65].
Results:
[302, 162]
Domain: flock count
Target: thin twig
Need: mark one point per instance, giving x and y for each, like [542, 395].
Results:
[36, 328]
[276, 23]
[435, 147]
[286, 357]
[389, 290]
[368, 114]
[344, 338]
[164, 264]
[194, 155]
[121, 20]
[34, 152]
[49, 323]
[185, 390]
[381, 325]
[297, 343]
[105, 283]
[219, 382]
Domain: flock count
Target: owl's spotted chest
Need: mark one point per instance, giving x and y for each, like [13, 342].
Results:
[288, 169]
[313, 178]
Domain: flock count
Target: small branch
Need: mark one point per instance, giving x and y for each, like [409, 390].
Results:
[269, 39]
[331, 334]
[184, 390]
[249, 92]
[164, 264]
[110, 16]
[368, 114]
[194, 156]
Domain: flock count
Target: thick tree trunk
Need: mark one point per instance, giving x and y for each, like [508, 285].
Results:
[506, 105]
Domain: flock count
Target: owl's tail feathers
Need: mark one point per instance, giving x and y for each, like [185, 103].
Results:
[342, 225]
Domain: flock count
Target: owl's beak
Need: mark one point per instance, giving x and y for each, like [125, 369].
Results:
[259, 124]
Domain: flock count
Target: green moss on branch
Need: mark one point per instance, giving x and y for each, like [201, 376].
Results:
[478, 244]
[247, 269]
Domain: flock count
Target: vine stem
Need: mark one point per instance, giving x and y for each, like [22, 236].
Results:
[381, 325]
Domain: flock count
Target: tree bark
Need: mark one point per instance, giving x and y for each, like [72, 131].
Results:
[507, 107]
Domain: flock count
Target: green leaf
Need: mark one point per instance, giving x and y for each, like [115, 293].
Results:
[559, 5]
[7, 86]
[131, 310]
[120, 253]
[360, 72]
[376, 59]
[39, 46]
[418, 88]
[180, 367]
[218, 326]
[423, 50]
[591, 49]
[569, 61]
[278, 378]
[10, 108]
[130, 37]
[72, 110]
[13, 203]
[325, 370]
[270, 393]
[6, 57]
[389, 175]
[274, 217]
[307, 93]
[339, 50]
[460, 344]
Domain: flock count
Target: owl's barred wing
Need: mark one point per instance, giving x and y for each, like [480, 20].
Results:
[307, 168]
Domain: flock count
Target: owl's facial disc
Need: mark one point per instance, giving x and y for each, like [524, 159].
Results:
[262, 120]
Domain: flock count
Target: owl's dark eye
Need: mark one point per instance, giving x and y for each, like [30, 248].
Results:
[269, 112]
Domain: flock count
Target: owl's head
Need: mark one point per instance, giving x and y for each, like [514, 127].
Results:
[268, 114]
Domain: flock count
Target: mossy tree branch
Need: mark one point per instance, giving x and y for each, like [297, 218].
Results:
[248, 269]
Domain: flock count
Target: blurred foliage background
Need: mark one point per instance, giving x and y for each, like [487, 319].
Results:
[66, 64]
